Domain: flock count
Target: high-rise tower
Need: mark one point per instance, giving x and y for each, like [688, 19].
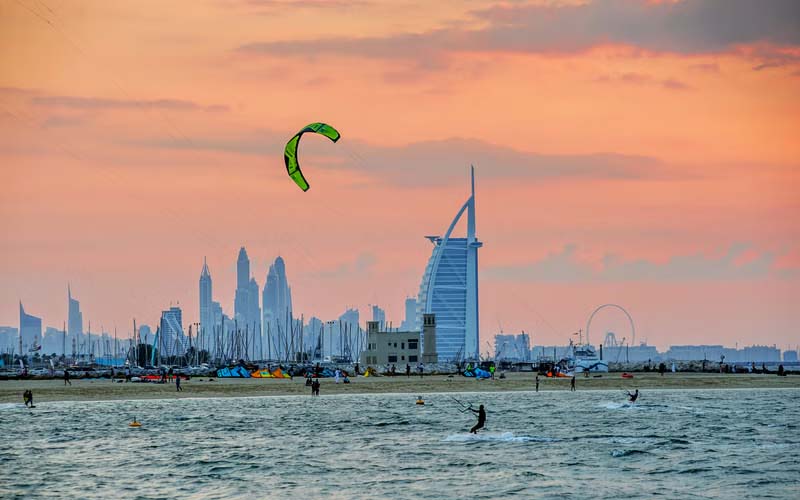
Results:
[240, 302]
[277, 308]
[74, 316]
[30, 331]
[206, 313]
[449, 288]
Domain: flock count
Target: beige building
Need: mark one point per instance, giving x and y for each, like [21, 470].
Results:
[399, 348]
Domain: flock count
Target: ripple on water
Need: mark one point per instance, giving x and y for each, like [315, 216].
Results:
[379, 446]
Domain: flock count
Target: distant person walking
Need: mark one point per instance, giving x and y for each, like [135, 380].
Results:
[315, 388]
[572, 384]
[662, 368]
[408, 370]
[420, 369]
[66, 377]
[178, 384]
[537, 382]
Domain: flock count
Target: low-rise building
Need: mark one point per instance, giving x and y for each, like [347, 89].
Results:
[395, 347]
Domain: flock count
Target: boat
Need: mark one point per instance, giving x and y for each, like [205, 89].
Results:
[585, 359]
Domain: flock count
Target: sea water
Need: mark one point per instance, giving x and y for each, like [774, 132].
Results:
[676, 444]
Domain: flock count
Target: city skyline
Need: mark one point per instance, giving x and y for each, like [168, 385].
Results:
[657, 169]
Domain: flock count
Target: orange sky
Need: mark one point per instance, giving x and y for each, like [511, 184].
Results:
[656, 168]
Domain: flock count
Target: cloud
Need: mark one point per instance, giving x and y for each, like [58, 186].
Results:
[643, 79]
[685, 27]
[565, 266]
[432, 162]
[361, 266]
[705, 67]
[98, 103]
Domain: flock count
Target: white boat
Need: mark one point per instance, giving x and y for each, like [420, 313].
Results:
[585, 358]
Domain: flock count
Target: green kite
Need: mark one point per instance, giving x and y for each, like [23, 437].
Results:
[290, 152]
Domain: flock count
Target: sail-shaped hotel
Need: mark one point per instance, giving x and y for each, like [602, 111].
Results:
[449, 288]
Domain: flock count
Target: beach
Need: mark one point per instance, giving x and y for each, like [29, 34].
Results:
[201, 387]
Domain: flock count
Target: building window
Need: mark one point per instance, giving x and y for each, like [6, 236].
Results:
[393, 358]
[402, 358]
[413, 344]
[402, 345]
[412, 359]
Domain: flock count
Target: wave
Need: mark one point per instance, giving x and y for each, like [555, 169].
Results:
[627, 453]
[507, 437]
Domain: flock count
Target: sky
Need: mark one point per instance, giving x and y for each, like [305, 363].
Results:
[642, 153]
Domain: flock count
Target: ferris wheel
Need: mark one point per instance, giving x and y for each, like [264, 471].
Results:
[630, 320]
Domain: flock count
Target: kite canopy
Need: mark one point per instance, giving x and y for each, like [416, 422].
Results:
[290, 152]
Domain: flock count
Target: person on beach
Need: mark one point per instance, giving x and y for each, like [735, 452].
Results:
[633, 397]
[66, 377]
[178, 384]
[337, 374]
[408, 370]
[572, 384]
[27, 396]
[420, 369]
[481, 419]
[537, 382]
[127, 374]
[315, 388]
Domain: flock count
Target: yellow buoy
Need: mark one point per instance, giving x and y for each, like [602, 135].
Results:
[134, 424]
[420, 401]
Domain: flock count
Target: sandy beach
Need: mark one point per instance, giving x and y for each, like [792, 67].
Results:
[105, 390]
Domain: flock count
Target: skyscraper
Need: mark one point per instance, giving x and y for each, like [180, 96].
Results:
[410, 322]
[30, 330]
[253, 319]
[74, 316]
[240, 302]
[277, 304]
[172, 341]
[379, 315]
[206, 313]
[449, 288]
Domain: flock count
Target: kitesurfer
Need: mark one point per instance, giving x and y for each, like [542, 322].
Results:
[633, 397]
[481, 419]
[66, 377]
[27, 396]
[537, 382]
[572, 384]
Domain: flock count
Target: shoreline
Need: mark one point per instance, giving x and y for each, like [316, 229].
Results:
[200, 387]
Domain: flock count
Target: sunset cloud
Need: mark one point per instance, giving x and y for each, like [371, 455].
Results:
[689, 27]
[566, 266]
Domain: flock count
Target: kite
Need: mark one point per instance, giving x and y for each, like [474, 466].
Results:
[290, 152]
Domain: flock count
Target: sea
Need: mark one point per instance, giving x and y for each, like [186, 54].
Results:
[671, 443]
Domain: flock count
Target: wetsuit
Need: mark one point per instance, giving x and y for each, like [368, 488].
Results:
[481, 420]
[633, 397]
